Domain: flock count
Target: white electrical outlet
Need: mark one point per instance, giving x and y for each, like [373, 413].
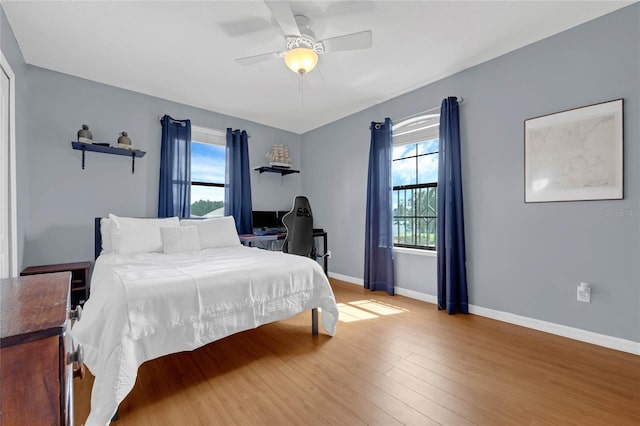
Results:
[584, 293]
[329, 254]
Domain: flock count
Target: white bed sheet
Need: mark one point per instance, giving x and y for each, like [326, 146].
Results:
[149, 305]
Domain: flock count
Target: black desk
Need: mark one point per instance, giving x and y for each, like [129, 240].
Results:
[249, 239]
[322, 233]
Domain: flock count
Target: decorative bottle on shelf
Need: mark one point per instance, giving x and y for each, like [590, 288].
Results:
[124, 141]
[84, 135]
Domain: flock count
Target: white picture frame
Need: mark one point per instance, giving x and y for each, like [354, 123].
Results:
[575, 155]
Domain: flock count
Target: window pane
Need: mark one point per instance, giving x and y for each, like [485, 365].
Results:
[410, 234]
[431, 232]
[428, 146]
[394, 203]
[398, 227]
[398, 231]
[428, 168]
[432, 201]
[207, 201]
[406, 204]
[404, 172]
[404, 151]
[423, 201]
[421, 231]
[400, 211]
[207, 162]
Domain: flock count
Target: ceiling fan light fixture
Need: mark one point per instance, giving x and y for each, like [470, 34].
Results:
[301, 60]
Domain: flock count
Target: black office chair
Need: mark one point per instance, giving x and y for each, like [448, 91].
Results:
[299, 224]
[300, 241]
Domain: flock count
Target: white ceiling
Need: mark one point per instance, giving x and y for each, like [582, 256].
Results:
[185, 50]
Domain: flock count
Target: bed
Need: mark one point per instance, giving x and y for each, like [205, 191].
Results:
[160, 291]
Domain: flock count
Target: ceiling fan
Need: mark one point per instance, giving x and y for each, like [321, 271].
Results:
[302, 48]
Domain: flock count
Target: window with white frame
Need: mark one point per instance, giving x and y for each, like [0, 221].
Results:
[415, 181]
[208, 152]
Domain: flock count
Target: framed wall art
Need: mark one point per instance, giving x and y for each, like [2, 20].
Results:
[575, 155]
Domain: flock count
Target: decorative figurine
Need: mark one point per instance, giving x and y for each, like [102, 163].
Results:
[279, 156]
[84, 135]
[124, 141]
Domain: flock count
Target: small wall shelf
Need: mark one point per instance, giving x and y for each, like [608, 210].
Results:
[280, 170]
[133, 153]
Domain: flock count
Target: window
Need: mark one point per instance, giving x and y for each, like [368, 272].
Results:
[415, 182]
[208, 151]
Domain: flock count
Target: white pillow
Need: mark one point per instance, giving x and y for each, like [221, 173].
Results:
[216, 232]
[105, 232]
[136, 235]
[178, 239]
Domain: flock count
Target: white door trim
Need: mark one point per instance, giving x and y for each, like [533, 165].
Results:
[13, 227]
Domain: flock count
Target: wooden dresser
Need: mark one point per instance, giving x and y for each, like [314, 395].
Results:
[36, 353]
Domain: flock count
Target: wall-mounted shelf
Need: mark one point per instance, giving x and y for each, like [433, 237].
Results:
[280, 170]
[133, 153]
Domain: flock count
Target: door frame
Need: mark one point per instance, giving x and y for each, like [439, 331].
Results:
[12, 210]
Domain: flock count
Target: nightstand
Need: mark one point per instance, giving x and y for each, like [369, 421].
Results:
[80, 285]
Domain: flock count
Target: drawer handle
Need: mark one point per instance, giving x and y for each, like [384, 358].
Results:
[76, 314]
[79, 372]
[77, 357]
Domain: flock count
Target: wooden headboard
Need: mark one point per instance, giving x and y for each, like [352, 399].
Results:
[97, 237]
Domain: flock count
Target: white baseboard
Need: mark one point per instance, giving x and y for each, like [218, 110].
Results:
[610, 342]
[417, 295]
[347, 279]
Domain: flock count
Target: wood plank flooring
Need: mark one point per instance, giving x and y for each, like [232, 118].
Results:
[393, 361]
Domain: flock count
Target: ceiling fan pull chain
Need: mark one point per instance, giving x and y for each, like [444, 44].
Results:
[301, 89]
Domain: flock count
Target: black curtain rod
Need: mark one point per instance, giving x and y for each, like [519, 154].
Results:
[378, 125]
[181, 122]
[184, 124]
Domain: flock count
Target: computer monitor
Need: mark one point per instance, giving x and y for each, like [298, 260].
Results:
[264, 219]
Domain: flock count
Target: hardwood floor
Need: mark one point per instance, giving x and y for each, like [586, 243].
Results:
[393, 361]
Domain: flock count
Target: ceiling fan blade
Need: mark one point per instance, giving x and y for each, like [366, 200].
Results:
[250, 60]
[361, 40]
[281, 11]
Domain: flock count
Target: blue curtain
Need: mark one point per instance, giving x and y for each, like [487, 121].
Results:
[237, 188]
[450, 246]
[174, 198]
[378, 248]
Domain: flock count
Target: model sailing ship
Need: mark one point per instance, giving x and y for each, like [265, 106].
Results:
[279, 156]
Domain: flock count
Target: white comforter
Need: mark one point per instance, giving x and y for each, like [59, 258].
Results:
[148, 305]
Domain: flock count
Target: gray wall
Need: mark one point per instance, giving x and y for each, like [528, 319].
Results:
[12, 53]
[525, 259]
[63, 198]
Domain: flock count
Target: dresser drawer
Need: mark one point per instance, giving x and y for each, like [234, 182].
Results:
[29, 372]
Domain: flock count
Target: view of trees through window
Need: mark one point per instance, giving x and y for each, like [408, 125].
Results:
[415, 193]
[207, 179]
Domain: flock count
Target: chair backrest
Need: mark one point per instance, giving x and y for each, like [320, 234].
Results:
[299, 224]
